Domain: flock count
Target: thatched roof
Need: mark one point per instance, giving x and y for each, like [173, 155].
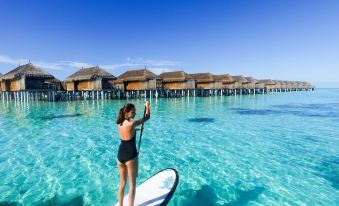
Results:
[251, 80]
[241, 79]
[137, 75]
[307, 84]
[224, 78]
[276, 81]
[89, 73]
[282, 82]
[203, 77]
[27, 70]
[267, 81]
[175, 76]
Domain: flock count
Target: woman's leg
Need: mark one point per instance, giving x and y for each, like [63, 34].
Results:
[123, 177]
[132, 170]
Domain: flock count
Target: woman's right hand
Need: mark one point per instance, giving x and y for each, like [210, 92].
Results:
[147, 104]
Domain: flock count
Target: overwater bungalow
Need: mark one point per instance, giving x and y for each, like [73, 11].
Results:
[240, 84]
[294, 85]
[204, 83]
[260, 86]
[251, 85]
[283, 86]
[139, 83]
[179, 83]
[89, 79]
[269, 85]
[301, 86]
[90, 83]
[288, 86]
[177, 80]
[25, 77]
[203, 80]
[307, 86]
[27, 82]
[225, 82]
[277, 87]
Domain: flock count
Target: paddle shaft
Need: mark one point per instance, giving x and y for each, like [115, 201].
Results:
[142, 129]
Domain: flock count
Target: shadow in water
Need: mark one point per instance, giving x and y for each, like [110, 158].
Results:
[263, 112]
[329, 170]
[76, 201]
[326, 107]
[206, 120]
[61, 116]
[8, 203]
[245, 196]
[204, 196]
[255, 111]
[312, 139]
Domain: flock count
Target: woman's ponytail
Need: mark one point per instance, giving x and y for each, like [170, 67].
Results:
[121, 116]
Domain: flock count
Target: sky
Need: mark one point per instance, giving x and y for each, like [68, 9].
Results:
[267, 39]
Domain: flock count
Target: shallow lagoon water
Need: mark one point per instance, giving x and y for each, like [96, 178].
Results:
[275, 149]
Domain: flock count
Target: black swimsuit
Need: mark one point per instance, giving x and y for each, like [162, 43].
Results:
[127, 150]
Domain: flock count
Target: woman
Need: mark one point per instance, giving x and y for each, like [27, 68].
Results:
[127, 153]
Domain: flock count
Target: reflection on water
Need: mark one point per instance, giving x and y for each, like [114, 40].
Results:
[206, 120]
[330, 110]
[61, 116]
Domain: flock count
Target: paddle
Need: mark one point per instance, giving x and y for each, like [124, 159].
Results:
[142, 129]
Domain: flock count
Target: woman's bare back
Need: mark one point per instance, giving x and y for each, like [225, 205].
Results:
[126, 130]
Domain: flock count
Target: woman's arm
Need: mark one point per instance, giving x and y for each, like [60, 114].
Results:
[147, 116]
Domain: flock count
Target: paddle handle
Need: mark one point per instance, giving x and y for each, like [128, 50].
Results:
[142, 129]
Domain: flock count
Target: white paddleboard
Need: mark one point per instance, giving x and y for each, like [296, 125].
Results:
[157, 190]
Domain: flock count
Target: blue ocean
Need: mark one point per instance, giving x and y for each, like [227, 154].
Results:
[267, 149]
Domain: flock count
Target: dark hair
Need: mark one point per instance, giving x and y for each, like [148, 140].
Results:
[125, 109]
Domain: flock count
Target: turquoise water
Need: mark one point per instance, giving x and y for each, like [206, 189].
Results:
[275, 149]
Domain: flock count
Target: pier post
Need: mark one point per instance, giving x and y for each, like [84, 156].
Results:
[53, 96]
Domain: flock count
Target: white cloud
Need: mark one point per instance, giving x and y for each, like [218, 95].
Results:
[134, 63]
[61, 65]
[76, 64]
[156, 66]
[10, 60]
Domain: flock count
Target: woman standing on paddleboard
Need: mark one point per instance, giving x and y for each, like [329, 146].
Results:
[127, 153]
